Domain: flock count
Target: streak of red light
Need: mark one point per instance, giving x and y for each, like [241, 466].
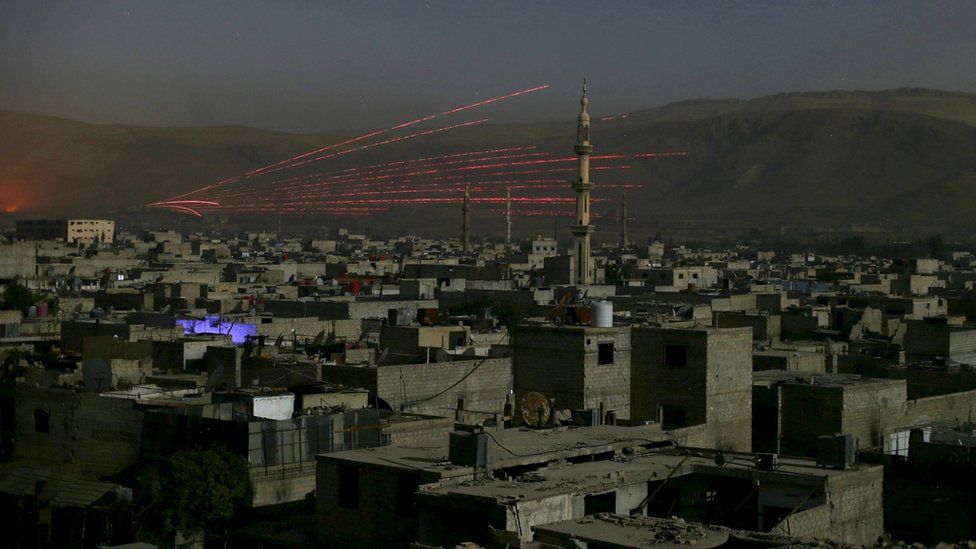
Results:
[289, 162]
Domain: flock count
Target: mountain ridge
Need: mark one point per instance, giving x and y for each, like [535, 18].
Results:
[815, 157]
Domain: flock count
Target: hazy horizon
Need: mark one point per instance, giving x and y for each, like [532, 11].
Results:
[325, 66]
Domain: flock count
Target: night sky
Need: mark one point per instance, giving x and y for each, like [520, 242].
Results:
[312, 66]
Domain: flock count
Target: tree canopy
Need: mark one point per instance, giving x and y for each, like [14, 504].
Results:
[198, 491]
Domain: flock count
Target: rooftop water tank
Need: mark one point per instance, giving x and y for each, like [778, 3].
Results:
[601, 314]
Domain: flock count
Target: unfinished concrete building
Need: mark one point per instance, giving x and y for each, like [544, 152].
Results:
[439, 495]
[579, 367]
[687, 377]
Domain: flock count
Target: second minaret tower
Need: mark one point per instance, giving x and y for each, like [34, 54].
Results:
[582, 185]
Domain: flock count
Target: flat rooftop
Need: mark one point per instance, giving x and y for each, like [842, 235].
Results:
[622, 531]
[507, 448]
[605, 475]
[769, 378]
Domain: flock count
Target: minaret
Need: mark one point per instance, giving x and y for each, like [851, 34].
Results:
[582, 229]
[624, 242]
[466, 222]
[508, 215]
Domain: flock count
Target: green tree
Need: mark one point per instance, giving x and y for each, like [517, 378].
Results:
[18, 298]
[197, 491]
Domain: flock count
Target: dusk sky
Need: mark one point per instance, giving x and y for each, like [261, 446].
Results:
[312, 66]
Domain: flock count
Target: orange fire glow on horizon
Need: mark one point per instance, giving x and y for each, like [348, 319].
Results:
[15, 195]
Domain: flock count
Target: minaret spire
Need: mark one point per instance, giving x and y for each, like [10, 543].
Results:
[582, 229]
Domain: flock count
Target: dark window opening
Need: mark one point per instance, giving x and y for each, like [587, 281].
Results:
[672, 417]
[348, 487]
[675, 355]
[42, 421]
[605, 353]
[600, 503]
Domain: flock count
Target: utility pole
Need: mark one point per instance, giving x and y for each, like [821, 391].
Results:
[508, 215]
[466, 222]
[624, 241]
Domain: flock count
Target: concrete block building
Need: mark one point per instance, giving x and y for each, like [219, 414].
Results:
[392, 497]
[90, 231]
[702, 376]
[939, 337]
[580, 367]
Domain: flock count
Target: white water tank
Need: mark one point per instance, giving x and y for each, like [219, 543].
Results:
[601, 314]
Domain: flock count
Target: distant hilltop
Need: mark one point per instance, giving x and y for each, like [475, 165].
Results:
[902, 157]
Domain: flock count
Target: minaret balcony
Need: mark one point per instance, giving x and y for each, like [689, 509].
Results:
[582, 230]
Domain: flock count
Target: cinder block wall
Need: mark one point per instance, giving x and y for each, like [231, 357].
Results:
[367, 525]
[856, 506]
[867, 406]
[550, 362]
[434, 388]
[89, 436]
[729, 389]
[714, 387]
[563, 364]
[654, 384]
[809, 411]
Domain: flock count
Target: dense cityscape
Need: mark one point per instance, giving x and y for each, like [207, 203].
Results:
[443, 332]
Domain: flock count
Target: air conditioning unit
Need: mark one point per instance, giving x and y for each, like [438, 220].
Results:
[766, 462]
[836, 451]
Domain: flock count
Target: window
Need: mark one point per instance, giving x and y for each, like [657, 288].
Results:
[672, 417]
[600, 503]
[348, 486]
[675, 355]
[42, 421]
[604, 353]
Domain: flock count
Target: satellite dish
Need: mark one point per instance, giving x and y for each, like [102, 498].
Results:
[382, 356]
[536, 409]
[279, 340]
[319, 337]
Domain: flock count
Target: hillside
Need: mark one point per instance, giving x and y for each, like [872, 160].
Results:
[897, 157]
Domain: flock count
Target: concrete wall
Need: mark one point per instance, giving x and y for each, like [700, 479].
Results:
[433, 388]
[18, 260]
[562, 363]
[856, 506]
[436, 387]
[713, 388]
[368, 525]
[764, 327]
[809, 411]
[89, 435]
[864, 409]
[729, 389]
